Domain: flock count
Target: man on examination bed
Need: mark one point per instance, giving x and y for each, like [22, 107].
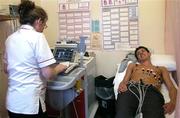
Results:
[139, 93]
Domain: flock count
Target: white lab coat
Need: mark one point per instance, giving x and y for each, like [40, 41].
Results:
[26, 51]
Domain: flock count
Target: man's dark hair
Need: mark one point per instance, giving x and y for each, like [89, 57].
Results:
[135, 52]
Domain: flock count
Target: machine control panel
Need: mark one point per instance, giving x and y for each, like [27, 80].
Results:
[64, 54]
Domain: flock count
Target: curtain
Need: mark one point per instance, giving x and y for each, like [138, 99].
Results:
[169, 27]
[177, 47]
[172, 39]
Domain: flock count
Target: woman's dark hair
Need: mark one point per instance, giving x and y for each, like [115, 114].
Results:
[135, 52]
[28, 13]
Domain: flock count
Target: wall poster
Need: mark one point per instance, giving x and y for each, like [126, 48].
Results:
[74, 21]
[120, 24]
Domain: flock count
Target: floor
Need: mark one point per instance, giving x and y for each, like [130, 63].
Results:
[106, 109]
[104, 113]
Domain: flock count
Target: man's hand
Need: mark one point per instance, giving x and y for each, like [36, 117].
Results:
[169, 107]
[122, 87]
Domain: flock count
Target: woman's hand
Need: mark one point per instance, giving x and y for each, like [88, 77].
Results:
[51, 72]
[61, 68]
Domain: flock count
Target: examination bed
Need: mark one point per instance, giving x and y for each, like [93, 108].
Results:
[159, 60]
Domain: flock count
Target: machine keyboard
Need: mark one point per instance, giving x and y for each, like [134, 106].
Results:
[71, 67]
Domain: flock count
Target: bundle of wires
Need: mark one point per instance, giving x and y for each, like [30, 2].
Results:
[142, 89]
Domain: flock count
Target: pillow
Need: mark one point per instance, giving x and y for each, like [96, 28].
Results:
[164, 60]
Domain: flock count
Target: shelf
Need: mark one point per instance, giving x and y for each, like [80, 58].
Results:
[5, 18]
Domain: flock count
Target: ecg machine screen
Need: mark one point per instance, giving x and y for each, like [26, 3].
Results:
[64, 54]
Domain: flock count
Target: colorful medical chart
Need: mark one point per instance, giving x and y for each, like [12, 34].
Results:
[120, 24]
[74, 21]
[116, 29]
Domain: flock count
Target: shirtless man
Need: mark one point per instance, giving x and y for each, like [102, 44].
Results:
[139, 92]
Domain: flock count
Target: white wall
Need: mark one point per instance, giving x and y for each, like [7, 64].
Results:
[151, 25]
[151, 30]
[51, 7]
[7, 2]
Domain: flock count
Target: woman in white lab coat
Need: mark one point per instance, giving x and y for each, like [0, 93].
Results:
[29, 62]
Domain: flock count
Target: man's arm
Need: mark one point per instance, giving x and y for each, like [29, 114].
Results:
[128, 72]
[122, 86]
[170, 106]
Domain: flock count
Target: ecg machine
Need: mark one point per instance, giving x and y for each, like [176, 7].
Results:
[62, 90]
[66, 53]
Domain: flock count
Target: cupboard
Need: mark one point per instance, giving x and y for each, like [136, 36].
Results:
[5, 30]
